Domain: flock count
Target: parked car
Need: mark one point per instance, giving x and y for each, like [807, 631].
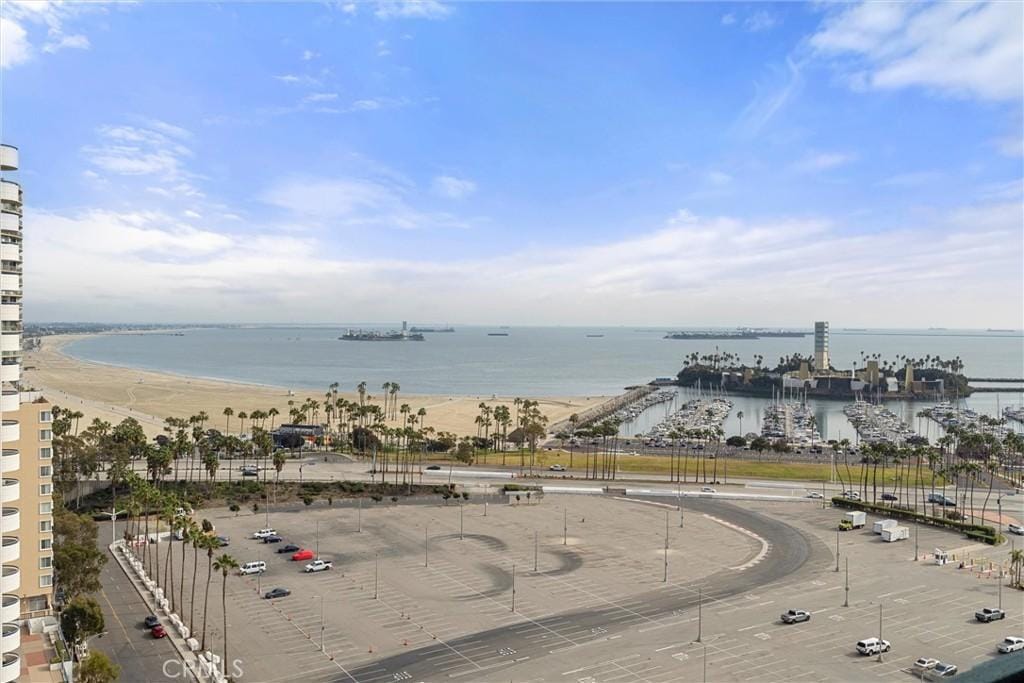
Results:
[940, 499]
[557, 468]
[1016, 529]
[890, 496]
[708, 489]
[1011, 644]
[151, 621]
[815, 494]
[273, 538]
[872, 646]
[925, 663]
[277, 593]
[942, 670]
[250, 471]
[795, 616]
[319, 566]
[851, 495]
[263, 533]
[302, 555]
[158, 631]
[223, 541]
[290, 548]
[989, 614]
[433, 467]
[253, 568]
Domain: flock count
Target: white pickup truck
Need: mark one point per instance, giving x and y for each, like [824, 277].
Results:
[319, 566]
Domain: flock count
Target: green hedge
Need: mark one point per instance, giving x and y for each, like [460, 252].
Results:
[978, 532]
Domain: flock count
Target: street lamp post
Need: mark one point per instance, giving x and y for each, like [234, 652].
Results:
[917, 529]
[565, 526]
[376, 574]
[535, 550]
[837, 549]
[318, 539]
[700, 615]
[513, 587]
[879, 632]
[461, 537]
[426, 549]
[664, 578]
[359, 517]
[846, 601]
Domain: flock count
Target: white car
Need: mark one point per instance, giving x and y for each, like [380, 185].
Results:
[1016, 529]
[815, 494]
[942, 670]
[253, 568]
[319, 566]
[263, 533]
[872, 646]
[708, 489]
[1011, 644]
[557, 468]
[925, 663]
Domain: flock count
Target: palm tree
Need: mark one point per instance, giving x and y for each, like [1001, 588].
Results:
[209, 544]
[1016, 564]
[224, 564]
[188, 530]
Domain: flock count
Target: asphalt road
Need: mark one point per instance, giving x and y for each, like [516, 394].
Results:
[790, 552]
[127, 643]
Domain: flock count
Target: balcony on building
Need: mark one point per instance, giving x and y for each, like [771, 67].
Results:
[10, 520]
[11, 639]
[10, 221]
[10, 491]
[8, 158]
[11, 668]
[11, 461]
[10, 369]
[10, 430]
[10, 551]
[10, 192]
[10, 580]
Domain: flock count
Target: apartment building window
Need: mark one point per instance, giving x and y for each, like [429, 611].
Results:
[46, 508]
[45, 453]
[45, 526]
[46, 580]
[45, 543]
[45, 471]
[45, 489]
[45, 416]
[45, 435]
[46, 562]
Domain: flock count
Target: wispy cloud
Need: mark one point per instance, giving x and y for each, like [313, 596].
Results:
[27, 24]
[452, 187]
[912, 179]
[760, 21]
[770, 96]
[728, 19]
[411, 9]
[136, 150]
[298, 79]
[966, 49]
[822, 161]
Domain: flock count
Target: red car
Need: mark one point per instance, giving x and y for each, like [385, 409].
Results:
[302, 555]
[158, 631]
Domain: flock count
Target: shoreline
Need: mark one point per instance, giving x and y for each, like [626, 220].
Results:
[113, 392]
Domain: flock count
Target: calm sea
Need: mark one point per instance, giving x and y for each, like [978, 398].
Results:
[530, 361]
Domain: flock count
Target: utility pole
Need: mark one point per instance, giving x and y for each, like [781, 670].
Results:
[535, 550]
[917, 528]
[426, 550]
[565, 526]
[846, 602]
[879, 632]
[664, 578]
[513, 587]
[461, 537]
[376, 575]
[359, 517]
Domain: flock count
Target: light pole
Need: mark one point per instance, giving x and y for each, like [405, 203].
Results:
[705, 664]
[426, 550]
[535, 543]
[359, 517]
[513, 588]
[376, 574]
[565, 526]
[113, 523]
[999, 502]
[322, 628]
[1000, 587]
[259, 574]
[700, 614]
[879, 631]
[837, 549]
[917, 529]
[318, 539]
[461, 537]
[664, 578]
[846, 601]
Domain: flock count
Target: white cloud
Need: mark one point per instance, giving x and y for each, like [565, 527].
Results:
[349, 8]
[320, 97]
[718, 177]
[14, 45]
[822, 161]
[452, 187]
[959, 49]
[149, 265]
[136, 150]
[308, 55]
[411, 9]
[912, 179]
[760, 21]
[770, 97]
[298, 79]
[382, 48]
[77, 42]
[728, 19]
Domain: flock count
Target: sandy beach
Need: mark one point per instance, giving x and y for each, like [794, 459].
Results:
[112, 393]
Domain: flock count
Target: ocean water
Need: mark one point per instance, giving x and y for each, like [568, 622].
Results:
[530, 361]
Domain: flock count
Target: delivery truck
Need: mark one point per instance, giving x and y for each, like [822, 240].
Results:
[853, 520]
[895, 533]
[884, 524]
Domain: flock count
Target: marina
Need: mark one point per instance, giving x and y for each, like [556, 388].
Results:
[950, 417]
[794, 422]
[696, 419]
[877, 424]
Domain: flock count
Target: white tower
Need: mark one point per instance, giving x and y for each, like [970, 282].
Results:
[821, 361]
[10, 399]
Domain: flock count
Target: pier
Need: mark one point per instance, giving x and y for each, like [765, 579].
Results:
[606, 409]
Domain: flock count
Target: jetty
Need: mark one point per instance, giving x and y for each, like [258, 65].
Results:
[606, 409]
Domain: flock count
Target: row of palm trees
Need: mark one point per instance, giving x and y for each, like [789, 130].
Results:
[149, 502]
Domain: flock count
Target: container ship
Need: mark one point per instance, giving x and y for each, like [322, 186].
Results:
[377, 335]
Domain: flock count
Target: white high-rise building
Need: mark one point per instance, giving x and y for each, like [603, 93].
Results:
[26, 522]
[821, 360]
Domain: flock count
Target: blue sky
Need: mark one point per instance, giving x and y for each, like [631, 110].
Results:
[576, 163]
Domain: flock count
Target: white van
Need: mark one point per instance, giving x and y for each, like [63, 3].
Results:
[253, 568]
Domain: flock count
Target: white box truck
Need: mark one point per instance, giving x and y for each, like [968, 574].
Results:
[883, 524]
[857, 519]
[895, 533]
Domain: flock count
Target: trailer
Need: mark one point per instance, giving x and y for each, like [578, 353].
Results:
[884, 524]
[855, 519]
[895, 533]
